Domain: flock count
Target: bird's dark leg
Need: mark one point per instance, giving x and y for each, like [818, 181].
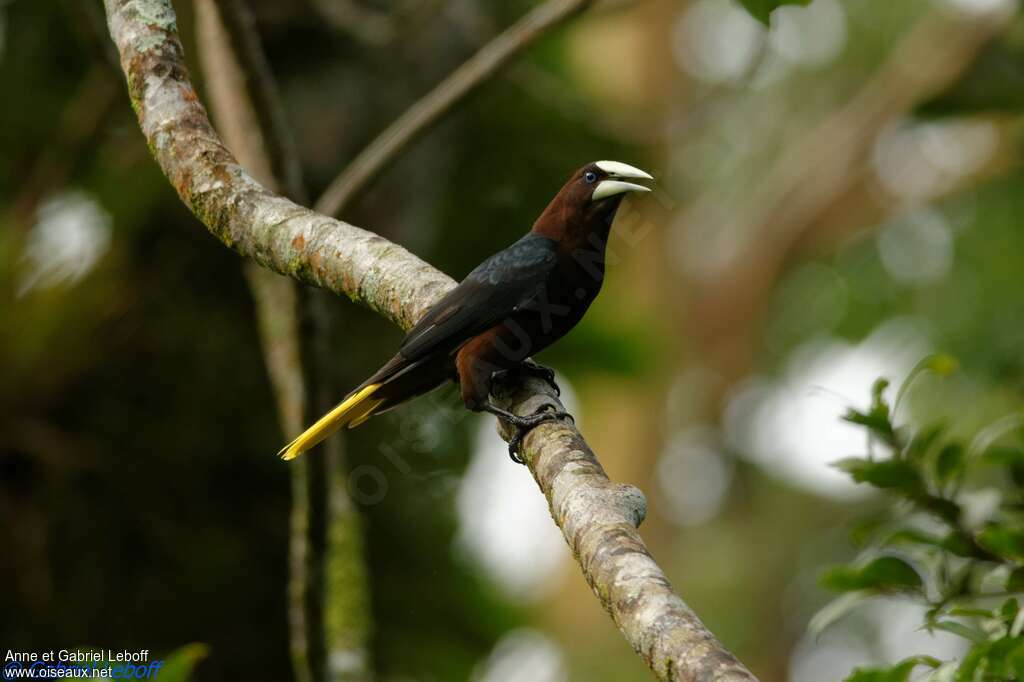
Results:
[523, 425]
[478, 365]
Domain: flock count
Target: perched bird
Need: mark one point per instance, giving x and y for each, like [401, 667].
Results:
[513, 305]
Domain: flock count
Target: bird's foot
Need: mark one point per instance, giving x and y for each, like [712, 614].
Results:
[526, 424]
[531, 369]
[534, 369]
[523, 425]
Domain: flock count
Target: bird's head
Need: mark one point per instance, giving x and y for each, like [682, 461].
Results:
[591, 197]
[603, 180]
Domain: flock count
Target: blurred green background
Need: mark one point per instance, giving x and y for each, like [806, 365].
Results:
[838, 195]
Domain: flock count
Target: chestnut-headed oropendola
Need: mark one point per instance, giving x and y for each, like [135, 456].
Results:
[510, 307]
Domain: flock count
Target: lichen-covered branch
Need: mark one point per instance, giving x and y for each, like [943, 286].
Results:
[271, 230]
[422, 115]
[328, 593]
[599, 518]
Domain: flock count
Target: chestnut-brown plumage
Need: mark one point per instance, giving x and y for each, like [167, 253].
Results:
[510, 307]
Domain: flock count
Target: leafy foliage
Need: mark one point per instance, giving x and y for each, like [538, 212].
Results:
[897, 673]
[180, 663]
[761, 9]
[966, 564]
[882, 574]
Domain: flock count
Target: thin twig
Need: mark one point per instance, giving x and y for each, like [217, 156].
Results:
[422, 115]
[598, 518]
[294, 326]
[261, 88]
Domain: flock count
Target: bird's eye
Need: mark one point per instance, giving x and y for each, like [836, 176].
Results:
[590, 177]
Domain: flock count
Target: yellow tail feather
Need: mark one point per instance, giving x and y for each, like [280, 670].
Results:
[352, 409]
[364, 414]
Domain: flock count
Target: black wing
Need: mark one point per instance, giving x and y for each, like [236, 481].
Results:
[484, 298]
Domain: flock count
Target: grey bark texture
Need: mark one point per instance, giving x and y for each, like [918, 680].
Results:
[598, 518]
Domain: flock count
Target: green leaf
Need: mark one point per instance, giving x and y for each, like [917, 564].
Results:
[1015, 581]
[884, 574]
[956, 543]
[1003, 454]
[959, 583]
[912, 536]
[897, 673]
[947, 510]
[761, 9]
[953, 542]
[1011, 457]
[1003, 540]
[877, 421]
[885, 473]
[1001, 659]
[950, 462]
[866, 528]
[834, 610]
[878, 395]
[180, 663]
[972, 662]
[1015, 661]
[922, 442]
[959, 629]
[1009, 610]
[970, 612]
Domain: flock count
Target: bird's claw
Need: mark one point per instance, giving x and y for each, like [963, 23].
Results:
[524, 425]
[531, 369]
[534, 369]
